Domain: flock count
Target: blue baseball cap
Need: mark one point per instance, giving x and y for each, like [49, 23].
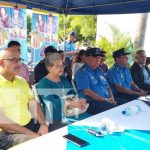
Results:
[72, 33]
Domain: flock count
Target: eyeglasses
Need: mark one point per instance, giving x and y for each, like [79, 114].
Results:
[60, 66]
[14, 60]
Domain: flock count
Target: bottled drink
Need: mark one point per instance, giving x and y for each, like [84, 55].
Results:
[104, 128]
[129, 111]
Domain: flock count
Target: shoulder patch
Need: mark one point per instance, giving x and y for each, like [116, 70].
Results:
[83, 67]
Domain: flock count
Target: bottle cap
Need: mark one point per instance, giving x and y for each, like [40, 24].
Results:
[124, 112]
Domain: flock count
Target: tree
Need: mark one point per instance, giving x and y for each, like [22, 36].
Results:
[119, 40]
[85, 27]
[141, 30]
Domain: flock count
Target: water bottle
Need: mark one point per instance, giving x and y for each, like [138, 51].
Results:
[104, 128]
[129, 111]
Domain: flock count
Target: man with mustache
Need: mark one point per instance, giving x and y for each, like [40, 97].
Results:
[92, 84]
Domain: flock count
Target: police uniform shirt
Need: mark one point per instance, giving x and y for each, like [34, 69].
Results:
[120, 75]
[87, 78]
[146, 76]
[69, 46]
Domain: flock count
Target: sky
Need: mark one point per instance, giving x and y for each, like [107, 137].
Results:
[127, 23]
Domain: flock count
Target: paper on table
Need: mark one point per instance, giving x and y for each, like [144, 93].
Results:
[144, 98]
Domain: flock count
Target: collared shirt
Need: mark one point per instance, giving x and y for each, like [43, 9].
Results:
[14, 99]
[69, 47]
[119, 75]
[87, 78]
[146, 75]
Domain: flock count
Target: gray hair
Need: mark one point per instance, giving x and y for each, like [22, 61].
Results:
[50, 60]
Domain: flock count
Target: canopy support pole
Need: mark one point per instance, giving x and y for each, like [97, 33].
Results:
[65, 21]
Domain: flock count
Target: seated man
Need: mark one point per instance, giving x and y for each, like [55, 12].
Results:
[17, 104]
[140, 72]
[120, 78]
[40, 70]
[92, 84]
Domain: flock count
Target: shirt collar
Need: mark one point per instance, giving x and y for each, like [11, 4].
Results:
[68, 41]
[119, 66]
[4, 80]
[91, 69]
[142, 66]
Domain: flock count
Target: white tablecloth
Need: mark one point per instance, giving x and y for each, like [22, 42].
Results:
[54, 140]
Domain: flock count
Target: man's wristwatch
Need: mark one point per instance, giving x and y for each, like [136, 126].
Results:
[105, 99]
[41, 124]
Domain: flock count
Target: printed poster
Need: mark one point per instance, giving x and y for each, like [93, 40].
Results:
[13, 26]
[44, 33]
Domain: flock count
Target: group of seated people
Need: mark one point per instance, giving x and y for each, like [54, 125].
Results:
[22, 117]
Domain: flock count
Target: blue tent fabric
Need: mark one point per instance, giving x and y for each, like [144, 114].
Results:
[88, 7]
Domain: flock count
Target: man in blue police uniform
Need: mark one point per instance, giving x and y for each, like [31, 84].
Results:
[69, 47]
[92, 84]
[120, 78]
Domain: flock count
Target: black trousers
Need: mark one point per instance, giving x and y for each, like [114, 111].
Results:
[120, 101]
[5, 142]
[127, 97]
[96, 107]
[34, 126]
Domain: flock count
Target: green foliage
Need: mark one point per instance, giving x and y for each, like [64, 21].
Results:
[119, 40]
[85, 27]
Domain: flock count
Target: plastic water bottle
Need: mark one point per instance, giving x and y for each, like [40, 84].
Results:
[129, 111]
[104, 128]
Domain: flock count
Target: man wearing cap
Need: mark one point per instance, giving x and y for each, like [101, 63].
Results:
[40, 70]
[69, 47]
[92, 84]
[120, 78]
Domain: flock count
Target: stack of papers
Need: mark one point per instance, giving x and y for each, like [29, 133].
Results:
[144, 98]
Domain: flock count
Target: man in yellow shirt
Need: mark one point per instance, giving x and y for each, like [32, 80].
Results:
[17, 104]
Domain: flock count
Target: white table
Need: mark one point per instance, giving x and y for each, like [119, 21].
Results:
[55, 139]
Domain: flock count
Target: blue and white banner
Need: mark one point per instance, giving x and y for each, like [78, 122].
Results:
[44, 33]
[13, 26]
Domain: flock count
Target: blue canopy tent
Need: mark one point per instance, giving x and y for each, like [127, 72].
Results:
[87, 7]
